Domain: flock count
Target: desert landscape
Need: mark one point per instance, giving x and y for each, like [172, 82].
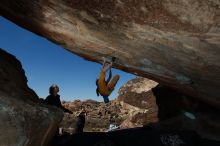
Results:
[172, 47]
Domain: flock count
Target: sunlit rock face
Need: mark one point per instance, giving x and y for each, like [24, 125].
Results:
[148, 102]
[176, 43]
[137, 98]
[24, 120]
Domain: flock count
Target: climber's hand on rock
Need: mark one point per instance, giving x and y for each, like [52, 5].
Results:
[104, 59]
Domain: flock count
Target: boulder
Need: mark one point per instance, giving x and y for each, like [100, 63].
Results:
[176, 43]
[148, 102]
[137, 92]
[138, 99]
[24, 120]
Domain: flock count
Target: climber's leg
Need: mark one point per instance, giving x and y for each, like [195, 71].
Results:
[106, 99]
[113, 82]
[104, 63]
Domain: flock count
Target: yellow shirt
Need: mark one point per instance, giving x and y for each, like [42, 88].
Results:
[102, 85]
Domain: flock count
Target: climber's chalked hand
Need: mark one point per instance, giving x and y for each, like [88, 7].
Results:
[109, 59]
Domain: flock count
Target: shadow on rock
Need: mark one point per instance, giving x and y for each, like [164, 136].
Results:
[149, 135]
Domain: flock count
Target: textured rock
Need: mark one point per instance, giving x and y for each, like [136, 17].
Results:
[176, 43]
[137, 92]
[111, 113]
[173, 106]
[138, 99]
[24, 120]
[147, 102]
[135, 137]
[206, 124]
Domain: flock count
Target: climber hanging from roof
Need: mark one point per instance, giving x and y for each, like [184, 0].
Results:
[105, 87]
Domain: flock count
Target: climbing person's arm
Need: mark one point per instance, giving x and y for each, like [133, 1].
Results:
[103, 64]
[108, 67]
[109, 77]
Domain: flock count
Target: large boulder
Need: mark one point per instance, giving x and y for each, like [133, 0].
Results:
[137, 92]
[176, 43]
[138, 100]
[24, 120]
[148, 102]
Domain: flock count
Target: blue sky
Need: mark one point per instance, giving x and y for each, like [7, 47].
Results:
[46, 63]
